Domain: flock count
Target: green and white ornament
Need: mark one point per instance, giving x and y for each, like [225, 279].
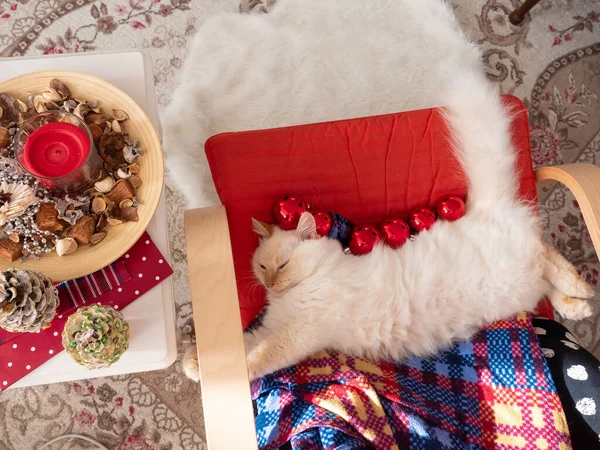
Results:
[96, 336]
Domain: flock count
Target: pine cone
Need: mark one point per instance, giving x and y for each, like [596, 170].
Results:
[28, 301]
[96, 336]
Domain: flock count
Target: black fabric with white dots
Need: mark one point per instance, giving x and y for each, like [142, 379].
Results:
[576, 374]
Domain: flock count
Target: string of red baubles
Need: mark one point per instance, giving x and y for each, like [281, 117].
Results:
[361, 239]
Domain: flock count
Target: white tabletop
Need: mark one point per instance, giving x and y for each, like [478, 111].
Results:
[153, 342]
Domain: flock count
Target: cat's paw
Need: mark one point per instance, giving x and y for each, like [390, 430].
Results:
[190, 364]
[575, 309]
[257, 363]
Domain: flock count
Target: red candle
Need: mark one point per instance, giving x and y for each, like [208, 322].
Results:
[55, 150]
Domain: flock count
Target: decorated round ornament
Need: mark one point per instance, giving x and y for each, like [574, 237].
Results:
[96, 336]
[364, 238]
[451, 208]
[287, 211]
[395, 232]
[323, 221]
[421, 219]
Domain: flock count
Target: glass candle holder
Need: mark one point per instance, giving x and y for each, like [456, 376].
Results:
[57, 148]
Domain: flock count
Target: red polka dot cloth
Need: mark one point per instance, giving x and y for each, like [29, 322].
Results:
[117, 285]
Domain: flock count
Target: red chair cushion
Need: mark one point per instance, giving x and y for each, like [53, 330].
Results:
[364, 169]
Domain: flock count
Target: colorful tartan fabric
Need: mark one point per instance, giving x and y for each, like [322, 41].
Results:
[492, 392]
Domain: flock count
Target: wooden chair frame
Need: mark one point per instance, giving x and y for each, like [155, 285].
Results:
[226, 399]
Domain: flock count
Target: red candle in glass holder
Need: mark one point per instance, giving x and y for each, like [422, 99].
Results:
[55, 150]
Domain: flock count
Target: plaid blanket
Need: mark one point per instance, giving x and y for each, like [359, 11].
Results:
[494, 391]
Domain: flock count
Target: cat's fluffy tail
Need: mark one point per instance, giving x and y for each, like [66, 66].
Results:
[480, 127]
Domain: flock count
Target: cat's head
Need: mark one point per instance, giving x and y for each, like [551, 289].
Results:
[283, 259]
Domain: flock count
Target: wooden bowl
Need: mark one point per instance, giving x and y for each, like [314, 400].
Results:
[88, 259]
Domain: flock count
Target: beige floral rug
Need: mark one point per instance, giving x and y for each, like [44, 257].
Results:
[551, 61]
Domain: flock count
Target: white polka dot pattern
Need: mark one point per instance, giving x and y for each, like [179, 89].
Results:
[577, 372]
[586, 406]
[539, 331]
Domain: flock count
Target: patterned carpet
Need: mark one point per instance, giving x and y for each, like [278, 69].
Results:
[551, 61]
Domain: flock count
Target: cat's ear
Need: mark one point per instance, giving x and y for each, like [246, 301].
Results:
[307, 227]
[264, 230]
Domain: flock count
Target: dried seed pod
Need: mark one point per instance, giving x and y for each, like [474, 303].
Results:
[129, 214]
[135, 181]
[102, 223]
[83, 230]
[22, 106]
[123, 173]
[66, 246]
[120, 115]
[122, 190]
[51, 95]
[39, 104]
[105, 185]
[115, 126]
[23, 116]
[81, 111]
[4, 137]
[113, 221]
[98, 205]
[96, 132]
[111, 148]
[96, 238]
[134, 168]
[96, 118]
[59, 87]
[14, 237]
[126, 203]
[52, 106]
[10, 109]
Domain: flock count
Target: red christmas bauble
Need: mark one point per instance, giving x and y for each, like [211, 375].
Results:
[323, 221]
[287, 211]
[364, 238]
[451, 208]
[421, 219]
[395, 232]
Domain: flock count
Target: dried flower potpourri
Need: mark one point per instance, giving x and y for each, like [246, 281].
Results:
[33, 219]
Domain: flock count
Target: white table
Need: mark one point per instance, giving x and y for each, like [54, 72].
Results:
[153, 342]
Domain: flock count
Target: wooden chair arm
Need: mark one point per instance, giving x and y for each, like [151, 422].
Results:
[583, 180]
[226, 401]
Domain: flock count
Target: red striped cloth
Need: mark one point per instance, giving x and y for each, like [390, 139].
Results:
[74, 293]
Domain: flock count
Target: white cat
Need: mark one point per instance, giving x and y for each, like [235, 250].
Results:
[441, 287]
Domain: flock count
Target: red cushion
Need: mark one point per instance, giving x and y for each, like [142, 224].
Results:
[364, 169]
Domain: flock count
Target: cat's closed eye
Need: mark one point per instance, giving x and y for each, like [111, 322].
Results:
[263, 267]
[283, 265]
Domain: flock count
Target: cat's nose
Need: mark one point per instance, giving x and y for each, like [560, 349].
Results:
[269, 285]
